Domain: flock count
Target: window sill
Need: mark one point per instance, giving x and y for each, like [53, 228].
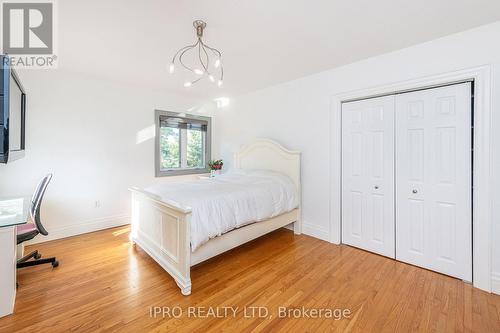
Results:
[170, 173]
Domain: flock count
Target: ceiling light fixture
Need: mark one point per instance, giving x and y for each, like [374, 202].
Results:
[209, 58]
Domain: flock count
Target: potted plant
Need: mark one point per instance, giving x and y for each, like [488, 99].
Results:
[215, 167]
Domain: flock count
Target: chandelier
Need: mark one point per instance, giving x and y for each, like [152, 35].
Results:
[208, 63]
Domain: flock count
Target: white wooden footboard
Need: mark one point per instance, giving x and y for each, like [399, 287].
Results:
[162, 230]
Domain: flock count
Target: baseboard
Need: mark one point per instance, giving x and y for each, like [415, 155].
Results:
[82, 228]
[119, 220]
[316, 231]
[495, 283]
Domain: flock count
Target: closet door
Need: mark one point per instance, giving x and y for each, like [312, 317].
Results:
[368, 175]
[433, 179]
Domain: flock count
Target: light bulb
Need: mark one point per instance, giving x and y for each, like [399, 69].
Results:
[211, 78]
[171, 68]
[219, 83]
[187, 84]
[198, 71]
[217, 63]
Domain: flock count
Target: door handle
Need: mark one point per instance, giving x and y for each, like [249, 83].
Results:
[414, 191]
[376, 187]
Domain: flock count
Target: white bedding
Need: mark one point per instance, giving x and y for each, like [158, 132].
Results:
[229, 201]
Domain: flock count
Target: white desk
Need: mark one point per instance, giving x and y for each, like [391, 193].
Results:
[13, 212]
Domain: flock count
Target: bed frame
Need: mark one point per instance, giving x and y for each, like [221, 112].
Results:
[162, 228]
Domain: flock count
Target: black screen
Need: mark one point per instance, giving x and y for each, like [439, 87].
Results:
[15, 116]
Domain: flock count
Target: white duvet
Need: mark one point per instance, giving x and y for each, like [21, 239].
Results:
[230, 201]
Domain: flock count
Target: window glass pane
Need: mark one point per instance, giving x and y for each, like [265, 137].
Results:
[169, 148]
[195, 149]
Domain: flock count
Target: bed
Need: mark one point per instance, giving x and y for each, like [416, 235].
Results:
[176, 227]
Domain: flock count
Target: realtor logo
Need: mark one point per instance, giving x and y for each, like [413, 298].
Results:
[27, 28]
[29, 31]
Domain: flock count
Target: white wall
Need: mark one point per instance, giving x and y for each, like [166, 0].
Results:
[297, 113]
[85, 131]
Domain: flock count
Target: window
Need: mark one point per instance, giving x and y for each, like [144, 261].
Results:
[182, 144]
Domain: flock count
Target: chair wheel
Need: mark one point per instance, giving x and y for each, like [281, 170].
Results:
[38, 256]
[55, 264]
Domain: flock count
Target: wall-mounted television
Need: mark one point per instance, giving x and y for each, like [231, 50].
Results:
[12, 113]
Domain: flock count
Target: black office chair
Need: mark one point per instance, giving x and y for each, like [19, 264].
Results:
[31, 229]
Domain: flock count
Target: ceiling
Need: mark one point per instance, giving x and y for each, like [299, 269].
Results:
[263, 42]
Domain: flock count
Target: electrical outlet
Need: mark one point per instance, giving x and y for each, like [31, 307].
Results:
[97, 204]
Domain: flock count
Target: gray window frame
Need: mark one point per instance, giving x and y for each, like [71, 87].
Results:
[181, 171]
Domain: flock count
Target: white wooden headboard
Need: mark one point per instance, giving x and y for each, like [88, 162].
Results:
[269, 155]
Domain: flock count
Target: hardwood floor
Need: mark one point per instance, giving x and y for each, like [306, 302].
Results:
[104, 283]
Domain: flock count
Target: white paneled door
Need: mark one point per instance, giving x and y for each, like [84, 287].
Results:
[407, 177]
[433, 179]
[368, 175]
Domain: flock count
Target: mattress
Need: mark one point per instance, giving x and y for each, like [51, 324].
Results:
[229, 201]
